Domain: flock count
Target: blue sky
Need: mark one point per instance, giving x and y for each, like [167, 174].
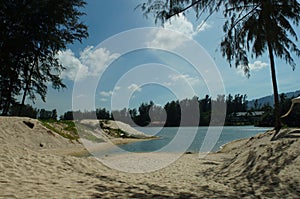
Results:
[146, 74]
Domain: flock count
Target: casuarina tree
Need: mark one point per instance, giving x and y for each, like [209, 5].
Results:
[32, 33]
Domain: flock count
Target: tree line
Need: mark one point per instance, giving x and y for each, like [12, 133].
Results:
[186, 112]
[31, 112]
[267, 119]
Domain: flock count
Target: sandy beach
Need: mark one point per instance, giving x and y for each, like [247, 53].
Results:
[37, 163]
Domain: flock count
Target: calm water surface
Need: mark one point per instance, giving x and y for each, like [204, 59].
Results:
[192, 139]
[192, 135]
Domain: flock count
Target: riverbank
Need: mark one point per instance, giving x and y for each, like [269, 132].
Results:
[249, 168]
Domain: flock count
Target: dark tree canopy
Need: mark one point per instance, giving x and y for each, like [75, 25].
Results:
[32, 33]
[164, 10]
[185, 112]
[258, 26]
[262, 26]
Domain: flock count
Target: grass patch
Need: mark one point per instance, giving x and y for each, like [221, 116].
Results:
[66, 129]
[70, 127]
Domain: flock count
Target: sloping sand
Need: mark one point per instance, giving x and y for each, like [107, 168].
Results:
[251, 168]
[113, 125]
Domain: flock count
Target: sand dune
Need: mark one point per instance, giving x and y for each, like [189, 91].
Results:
[251, 168]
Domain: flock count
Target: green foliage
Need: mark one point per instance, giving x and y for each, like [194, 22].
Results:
[173, 113]
[267, 119]
[100, 114]
[163, 10]
[45, 115]
[258, 26]
[26, 111]
[291, 120]
[185, 112]
[66, 129]
[32, 34]
[68, 116]
[70, 126]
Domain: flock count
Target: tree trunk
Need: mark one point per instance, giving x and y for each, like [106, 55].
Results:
[6, 108]
[275, 89]
[23, 102]
[8, 99]
[28, 83]
[24, 94]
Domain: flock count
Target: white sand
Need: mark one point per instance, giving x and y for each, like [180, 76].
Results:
[116, 125]
[251, 168]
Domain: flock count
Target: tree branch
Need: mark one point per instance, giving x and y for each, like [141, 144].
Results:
[184, 9]
[246, 15]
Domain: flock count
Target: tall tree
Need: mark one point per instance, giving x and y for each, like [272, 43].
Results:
[255, 26]
[32, 33]
[173, 111]
[260, 26]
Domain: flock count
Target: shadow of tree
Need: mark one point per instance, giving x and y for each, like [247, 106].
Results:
[288, 134]
[112, 188]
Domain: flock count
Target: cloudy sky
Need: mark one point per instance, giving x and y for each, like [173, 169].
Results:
[126, 61]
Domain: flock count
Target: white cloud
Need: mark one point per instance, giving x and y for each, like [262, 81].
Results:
[135, 88]
[171, 40]
[184, 78]
[166, 40]
[117, 88]
[103, 100]
[181, 24]
[73, 65]
[256, 66]
[106, 94]
[90, 63]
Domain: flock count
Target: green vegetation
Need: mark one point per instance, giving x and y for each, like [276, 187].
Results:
[184, 113]
[66, 129]
[88, 131]
[292, 120]
[70, 126]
